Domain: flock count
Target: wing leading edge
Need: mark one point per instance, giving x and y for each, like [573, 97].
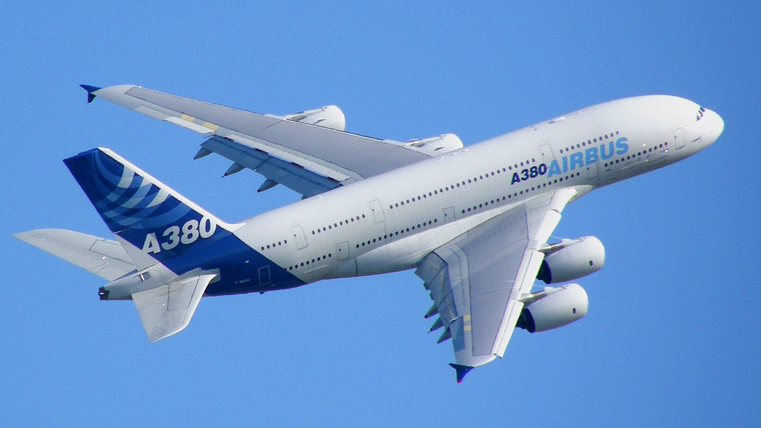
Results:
[477, 281]
[103, 257]
[301, 151]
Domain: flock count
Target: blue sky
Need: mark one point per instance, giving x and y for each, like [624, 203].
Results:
[672, 335]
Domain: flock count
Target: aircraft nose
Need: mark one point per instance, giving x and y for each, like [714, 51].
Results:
[713, 126]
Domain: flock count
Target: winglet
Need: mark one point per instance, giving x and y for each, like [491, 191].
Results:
[461, 371]
[90, 92]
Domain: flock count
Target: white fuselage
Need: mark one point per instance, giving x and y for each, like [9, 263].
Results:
[391, 221]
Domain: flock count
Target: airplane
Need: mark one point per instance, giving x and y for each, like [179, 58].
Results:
[474, 222]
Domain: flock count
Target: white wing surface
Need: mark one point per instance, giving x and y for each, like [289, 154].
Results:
[477, 281]
[103, 257]
[303, 151]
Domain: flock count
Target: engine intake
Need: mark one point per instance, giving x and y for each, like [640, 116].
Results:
[554, 307]
[572, 259]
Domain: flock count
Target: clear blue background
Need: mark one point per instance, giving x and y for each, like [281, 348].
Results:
[672, 336]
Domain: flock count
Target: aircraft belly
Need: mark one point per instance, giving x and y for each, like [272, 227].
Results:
[407, 253]
[241, 268]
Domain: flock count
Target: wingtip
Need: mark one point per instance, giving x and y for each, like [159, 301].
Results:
[20, 235]
[90, 92]
[461, 371]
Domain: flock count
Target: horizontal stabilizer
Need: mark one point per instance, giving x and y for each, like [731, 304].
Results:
[167, 309]
[102, 257]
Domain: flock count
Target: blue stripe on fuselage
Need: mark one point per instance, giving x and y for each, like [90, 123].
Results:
[242, 269]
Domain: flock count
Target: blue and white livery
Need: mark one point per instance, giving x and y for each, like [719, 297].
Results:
[473, 222]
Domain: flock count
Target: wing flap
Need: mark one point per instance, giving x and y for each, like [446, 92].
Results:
[103, 257]
[167, 309]
[300, 179]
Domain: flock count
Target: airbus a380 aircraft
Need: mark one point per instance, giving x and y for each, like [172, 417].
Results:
[474, 222]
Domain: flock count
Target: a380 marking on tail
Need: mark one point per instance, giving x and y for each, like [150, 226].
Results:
[188, 234]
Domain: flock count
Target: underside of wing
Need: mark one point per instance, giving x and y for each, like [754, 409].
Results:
[308, 152]
[478, 280]
[102, 257]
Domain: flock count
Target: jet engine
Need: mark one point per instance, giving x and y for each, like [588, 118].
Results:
[554, 307]
[571, 259]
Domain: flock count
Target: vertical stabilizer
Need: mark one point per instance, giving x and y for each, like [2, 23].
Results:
[153, 222]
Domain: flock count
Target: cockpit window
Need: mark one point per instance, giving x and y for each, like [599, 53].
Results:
[700, 113]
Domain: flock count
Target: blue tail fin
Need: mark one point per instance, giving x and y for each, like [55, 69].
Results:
[158, 222]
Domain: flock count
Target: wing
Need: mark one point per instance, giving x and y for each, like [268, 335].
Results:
[102, 257]
[308, 152]
[477, 281]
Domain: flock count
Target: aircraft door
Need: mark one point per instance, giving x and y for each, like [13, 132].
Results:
[678, 138]
[264, 275]
[298, 236]
[592, 171]
[546, 152]
[448, 214]
[375, 207]
[343, 250]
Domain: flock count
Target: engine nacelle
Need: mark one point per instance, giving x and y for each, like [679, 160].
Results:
[554, 307]
[574, 259]
[328, 117]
